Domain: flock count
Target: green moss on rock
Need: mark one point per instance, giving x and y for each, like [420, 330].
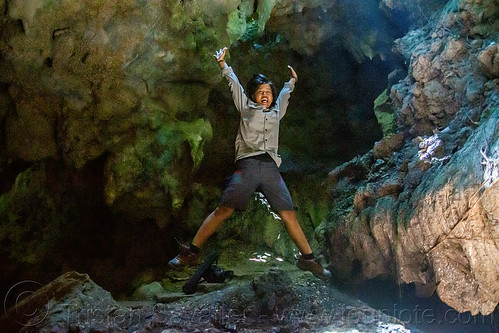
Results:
[236, 25]
[245, 25]
[156, 158]
[264, 10]
[384, 113]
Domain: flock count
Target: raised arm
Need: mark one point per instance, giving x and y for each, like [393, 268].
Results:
[294, 76]
[237, 90]
[283, 99]
[220, 56]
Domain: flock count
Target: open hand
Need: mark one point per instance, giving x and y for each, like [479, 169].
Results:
[293, 73]
[220, 54]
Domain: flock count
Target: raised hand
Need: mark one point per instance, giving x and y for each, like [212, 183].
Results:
[293, 73]
[220, 55]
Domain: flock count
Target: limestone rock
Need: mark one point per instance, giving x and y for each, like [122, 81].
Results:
[30, 132]
[64, 302]
[135, 87]
[383, 109]
[455, 50]
[385, 147]
[353, 171]
[100, 88]
[423, 69]
[148, 291]
[489, 59]
[432, 219]
[446, 227]
[392, 186]
[430, 148]
[364, 197]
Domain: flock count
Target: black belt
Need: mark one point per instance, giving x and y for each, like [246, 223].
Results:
[263, 157]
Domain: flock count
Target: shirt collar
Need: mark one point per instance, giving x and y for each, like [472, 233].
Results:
[260, 107]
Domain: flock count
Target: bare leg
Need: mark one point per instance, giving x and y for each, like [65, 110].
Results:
[295, 231]
[211, 224]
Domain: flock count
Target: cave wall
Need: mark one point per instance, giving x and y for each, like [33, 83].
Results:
[116, 134]
[117, 130]
[421, 207]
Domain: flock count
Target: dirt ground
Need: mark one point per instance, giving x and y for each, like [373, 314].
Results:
[266, 294]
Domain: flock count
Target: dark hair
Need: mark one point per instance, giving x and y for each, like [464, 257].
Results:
[256, 81]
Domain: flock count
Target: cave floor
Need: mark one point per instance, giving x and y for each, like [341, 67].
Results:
[266, 294]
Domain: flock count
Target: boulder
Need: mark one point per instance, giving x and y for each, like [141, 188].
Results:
[489, 60]
[67, 301]
[389, 144]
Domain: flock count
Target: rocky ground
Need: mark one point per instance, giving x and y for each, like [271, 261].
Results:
[266, 294]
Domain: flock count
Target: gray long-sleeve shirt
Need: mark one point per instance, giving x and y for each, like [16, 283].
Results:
[258, 127]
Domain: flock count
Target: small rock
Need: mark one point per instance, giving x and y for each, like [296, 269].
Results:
[489, 59]
[149, 291]
[385, 147]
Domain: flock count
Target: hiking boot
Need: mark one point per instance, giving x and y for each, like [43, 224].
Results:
[185, 258]
[313, 266]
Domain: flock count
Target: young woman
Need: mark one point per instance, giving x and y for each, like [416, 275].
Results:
[256, 167]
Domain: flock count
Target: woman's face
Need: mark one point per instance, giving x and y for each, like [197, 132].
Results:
[263, 95]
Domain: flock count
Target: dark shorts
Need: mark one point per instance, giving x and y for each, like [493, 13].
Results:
[256, 174]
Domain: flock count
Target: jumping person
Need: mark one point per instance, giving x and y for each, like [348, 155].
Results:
[256, 167]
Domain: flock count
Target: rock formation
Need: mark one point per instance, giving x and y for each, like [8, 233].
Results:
[117, 129]
[117, 133]
[269, 302]
[61, 305]
[422, 206]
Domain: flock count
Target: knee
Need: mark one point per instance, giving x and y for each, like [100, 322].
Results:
[287, 215]
[223, 212]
